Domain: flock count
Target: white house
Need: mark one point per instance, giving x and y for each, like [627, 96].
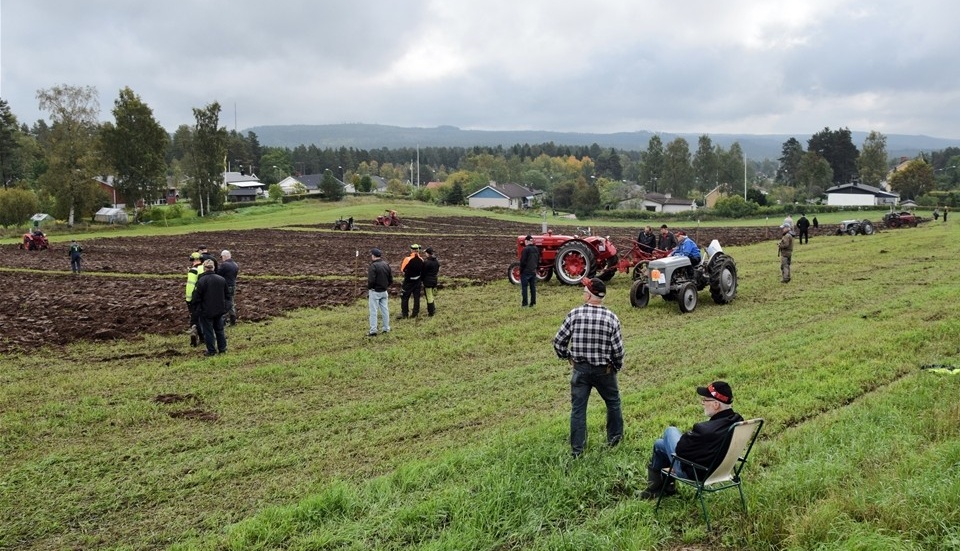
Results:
[659, 202]
[859, 195]
[509, 196]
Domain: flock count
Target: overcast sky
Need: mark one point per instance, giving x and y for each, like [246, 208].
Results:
[732, 66]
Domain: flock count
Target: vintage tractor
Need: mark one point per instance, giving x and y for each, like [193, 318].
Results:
[675, 278]
[854, 227]
[637, 260]
[344, 225]
[388, 219]
[34, 241]
[901, 219]
[571, 257]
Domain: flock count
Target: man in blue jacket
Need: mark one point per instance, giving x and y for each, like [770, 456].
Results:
[686, 247]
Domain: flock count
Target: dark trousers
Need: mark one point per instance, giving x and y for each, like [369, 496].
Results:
[583, 378]
[411, 287]
[213, 329]
[231, 305]
[75, 263]
[804, 236]
[528, 280]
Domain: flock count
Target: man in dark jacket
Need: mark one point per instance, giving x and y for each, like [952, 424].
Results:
[667, 240]
[210, 300]
[228, 270]
[431, 271]
[803, 226]
[529, 262]
[699, 445]
[412, 268]
[205, 256]
[647, 240]
[379, 279]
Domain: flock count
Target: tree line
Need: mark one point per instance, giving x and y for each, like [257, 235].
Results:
[52, 166]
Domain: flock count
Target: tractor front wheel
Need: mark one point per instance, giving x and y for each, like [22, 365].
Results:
[687, 298]
[544, 273]
[639, 294]
[573, 263]
[513, 273]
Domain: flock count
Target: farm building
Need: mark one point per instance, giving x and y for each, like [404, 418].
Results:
[659, 202]
[859, 195]
[508, 196]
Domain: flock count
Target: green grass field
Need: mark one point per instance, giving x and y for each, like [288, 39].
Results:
[451, 432]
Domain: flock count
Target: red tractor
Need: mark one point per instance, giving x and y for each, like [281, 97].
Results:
[388, 219]
[34, 241]
[571, 257]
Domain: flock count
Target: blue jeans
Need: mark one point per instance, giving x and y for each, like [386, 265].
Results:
[528, 280]
[664, 448]
[213, 328]
[581, 382]
[377, 301]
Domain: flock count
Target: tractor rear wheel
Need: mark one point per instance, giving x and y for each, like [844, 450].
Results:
[574, 262]
[723, 279]
[639, 294]
[513, 273]
[687, 297]
[866, 227]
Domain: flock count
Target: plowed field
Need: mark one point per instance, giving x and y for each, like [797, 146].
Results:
[132, 286]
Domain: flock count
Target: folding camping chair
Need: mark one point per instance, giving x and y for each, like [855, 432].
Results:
[724, 469]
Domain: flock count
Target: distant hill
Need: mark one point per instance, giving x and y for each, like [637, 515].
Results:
[375, 136]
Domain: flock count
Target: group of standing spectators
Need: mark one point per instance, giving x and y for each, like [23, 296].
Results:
[419, 273]
[210, 296]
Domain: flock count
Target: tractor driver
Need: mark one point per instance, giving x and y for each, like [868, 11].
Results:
[686, 247]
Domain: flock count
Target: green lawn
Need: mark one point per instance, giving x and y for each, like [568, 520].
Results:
[451, 433]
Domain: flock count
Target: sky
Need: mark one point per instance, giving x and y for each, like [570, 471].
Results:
[599, 66]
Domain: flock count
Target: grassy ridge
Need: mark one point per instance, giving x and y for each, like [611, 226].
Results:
[451, 432]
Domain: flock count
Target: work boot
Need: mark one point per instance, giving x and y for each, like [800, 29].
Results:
[431, 309]
[655, 483]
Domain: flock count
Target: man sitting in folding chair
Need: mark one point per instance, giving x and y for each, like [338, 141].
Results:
[700, 445]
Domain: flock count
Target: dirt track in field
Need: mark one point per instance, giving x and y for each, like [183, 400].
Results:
[131, 286]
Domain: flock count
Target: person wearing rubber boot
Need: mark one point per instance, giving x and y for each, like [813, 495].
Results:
[412, 268]
[699, 445]
[431, 269]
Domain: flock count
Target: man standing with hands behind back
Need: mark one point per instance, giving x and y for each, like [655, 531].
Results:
[591, 339]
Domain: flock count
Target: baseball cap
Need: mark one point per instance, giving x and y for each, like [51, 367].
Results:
[415, 247]
[376, 252]
[429, 250]
[596, 287]
[528, 238]
[717, 390]
[194, 256]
